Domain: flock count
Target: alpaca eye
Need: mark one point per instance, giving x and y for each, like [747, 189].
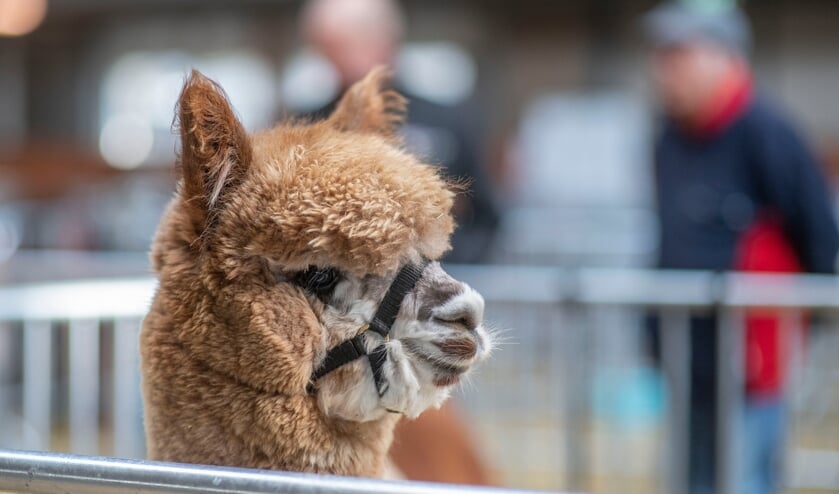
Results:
[319, 281]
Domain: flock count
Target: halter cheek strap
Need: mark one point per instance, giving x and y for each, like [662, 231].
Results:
[382, 322]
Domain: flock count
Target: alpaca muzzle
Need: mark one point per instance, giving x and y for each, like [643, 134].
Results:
[353, 349]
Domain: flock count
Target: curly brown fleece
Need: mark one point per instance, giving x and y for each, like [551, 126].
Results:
[227, 351]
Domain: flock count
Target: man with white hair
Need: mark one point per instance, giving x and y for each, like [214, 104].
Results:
[355, 35]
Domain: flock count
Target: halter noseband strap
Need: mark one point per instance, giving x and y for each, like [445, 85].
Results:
[353, 348]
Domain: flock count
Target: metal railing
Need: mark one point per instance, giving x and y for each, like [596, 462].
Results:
[47, 473]
[70, 378]
[579, 296]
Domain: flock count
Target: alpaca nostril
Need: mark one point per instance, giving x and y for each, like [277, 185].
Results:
[465, 318]
[464, 311]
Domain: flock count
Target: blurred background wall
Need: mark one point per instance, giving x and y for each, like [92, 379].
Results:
[86, 147]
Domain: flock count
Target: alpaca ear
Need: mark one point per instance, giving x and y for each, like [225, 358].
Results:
[215, 149]
[369, 106]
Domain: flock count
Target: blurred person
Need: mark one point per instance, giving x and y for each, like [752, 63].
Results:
[356, 36]
[737, 189]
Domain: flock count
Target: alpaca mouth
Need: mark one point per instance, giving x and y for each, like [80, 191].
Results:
[447, 370]
[462, 348]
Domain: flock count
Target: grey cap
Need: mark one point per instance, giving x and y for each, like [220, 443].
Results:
[675, 23]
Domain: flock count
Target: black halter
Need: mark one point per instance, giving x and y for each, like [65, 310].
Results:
[353, 348]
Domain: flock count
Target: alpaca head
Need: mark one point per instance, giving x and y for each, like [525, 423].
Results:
[316, 220]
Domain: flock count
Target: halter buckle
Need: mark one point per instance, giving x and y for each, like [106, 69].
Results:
[363, 329]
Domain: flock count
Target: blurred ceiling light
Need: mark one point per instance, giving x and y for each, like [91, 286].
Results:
[19, 17]
[140, 89]
[442, 72]
[249, 82]
[308, 82]
[126, 141]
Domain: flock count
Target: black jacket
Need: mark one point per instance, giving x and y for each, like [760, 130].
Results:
[710, 190]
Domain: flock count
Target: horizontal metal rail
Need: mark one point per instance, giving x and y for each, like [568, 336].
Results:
[24, 471]
[78, 299]
[130, 297]
[649, 287]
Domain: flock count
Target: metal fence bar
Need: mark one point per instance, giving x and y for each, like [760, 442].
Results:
[577, 406]
[790, 335]
[524, 367]
[126, 390]
[556, 361]
[83, 336]
[675, 355]
[78, 299]
[627, 287]
[9, 430]
[37, 384]
[22, 471]
[765, 290]
[730, 370]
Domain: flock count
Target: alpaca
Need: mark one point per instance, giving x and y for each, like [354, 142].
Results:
[274, 255]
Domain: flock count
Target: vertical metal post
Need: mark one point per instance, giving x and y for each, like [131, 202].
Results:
[558, 325]
[8, 346]
[577, 438]
[675, 355]
[127, 438]
[730, 371]
[83, 336]
[529, 345]
[790, 345]
[37, 384]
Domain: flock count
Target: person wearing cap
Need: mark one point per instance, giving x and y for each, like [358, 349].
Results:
[737, 188]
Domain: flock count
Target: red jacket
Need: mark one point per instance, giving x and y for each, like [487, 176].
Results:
[765, 248]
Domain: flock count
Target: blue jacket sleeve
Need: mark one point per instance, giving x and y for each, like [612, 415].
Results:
[792, 183]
